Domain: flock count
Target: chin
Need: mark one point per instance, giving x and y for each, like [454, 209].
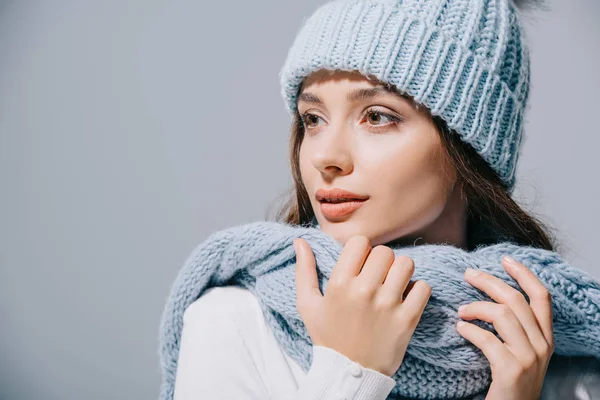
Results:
[342, 231]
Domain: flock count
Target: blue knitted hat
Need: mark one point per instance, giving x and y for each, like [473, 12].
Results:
[465, 60]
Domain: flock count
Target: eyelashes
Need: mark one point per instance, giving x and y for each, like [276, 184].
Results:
[373, 117]
[305, 119]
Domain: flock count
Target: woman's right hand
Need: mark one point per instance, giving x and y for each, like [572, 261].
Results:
[363, 314]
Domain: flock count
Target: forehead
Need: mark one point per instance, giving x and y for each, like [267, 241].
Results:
[324, 75]
[359, 87]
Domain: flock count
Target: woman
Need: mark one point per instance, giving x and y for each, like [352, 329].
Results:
[407, 125]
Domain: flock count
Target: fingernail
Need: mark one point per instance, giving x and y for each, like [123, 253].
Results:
[461, 323]
[511, 261]
[472, 272]
[462, 308]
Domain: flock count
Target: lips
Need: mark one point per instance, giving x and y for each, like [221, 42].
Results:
[337, 195]
[337, 203]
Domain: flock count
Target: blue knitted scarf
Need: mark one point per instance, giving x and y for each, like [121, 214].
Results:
[439, 363]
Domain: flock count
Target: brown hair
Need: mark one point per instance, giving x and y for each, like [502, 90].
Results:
[493, 216]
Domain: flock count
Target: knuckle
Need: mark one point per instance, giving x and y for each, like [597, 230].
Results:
[365, 292]
[409, 318]
[359, 241]
[504, 311]
[405, 261]
[384, 250]
[385, 303]
[516, 297]
[424, 286]
[516, 372]
[543, 294]
[488, 339]
[336, 283]
[530, 362]
[547, 348]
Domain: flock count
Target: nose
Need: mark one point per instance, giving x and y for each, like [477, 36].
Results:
[333, 154]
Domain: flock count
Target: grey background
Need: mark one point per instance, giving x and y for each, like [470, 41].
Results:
[130, 130]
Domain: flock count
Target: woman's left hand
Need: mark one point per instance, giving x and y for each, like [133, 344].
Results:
[519, 363]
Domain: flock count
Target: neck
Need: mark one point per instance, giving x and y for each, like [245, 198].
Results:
[449, 228]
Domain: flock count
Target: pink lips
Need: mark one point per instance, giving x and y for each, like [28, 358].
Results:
[337, 210]
[336, 203]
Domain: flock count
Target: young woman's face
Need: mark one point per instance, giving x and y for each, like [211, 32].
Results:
[364, 139]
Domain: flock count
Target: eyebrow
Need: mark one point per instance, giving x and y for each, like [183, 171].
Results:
[356, 95]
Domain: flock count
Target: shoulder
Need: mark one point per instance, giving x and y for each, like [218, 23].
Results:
[220, 299]
[223, 307]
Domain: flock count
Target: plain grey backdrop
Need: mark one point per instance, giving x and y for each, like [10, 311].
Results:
[130, 130]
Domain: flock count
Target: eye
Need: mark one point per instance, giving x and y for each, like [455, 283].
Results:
[310, 120]
[379, 118]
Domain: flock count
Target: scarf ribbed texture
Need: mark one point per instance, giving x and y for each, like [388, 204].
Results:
[439, 363]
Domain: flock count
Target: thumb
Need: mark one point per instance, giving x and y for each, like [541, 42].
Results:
[307, 281]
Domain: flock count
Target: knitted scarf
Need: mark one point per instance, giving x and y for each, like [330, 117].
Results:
[439, 363]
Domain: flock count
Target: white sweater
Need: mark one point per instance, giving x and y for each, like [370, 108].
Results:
[228, 351]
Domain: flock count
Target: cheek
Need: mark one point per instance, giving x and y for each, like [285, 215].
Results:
[415, 177]
[405, 162]
[302, 160]
[306, 169]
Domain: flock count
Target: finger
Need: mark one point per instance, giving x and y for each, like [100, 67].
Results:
[409, 287]
[397, 279]
[503, 293]
[352, 258]
[492, 348]
[506, 324]
[415, 302]
[376, 266]
[307, 282]
[539, 296]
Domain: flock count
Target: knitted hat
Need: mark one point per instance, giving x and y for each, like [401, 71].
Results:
[465, 60]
